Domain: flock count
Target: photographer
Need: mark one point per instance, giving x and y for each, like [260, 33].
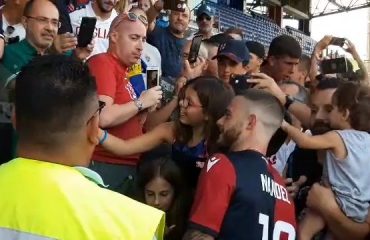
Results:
[232, 58]
[316, 59]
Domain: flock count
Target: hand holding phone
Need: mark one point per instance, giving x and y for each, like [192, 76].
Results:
[240, 82]
[194, 48]
[86, 33]
[152, 77]
[337, 41]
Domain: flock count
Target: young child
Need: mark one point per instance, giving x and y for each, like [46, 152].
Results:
[347, 155]
[161, 185]
[192, 136]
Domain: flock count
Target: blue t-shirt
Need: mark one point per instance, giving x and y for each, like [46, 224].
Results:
[170, 48]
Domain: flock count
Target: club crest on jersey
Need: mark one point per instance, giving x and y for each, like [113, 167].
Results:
[211, 162]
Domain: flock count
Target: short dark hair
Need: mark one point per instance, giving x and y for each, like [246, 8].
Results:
[267, 104]
[328, 83]
[285, 45]
[235, 30]
[355, 98]
[29, 6]
[302, 95]
[53, 95]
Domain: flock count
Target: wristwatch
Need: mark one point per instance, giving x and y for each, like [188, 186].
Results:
[288, 101]
[138, 104]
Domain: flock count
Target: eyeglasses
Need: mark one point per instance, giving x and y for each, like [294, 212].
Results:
[43, 20]
[202, 17]
[185, 103]
[100, 108]
[131, 17]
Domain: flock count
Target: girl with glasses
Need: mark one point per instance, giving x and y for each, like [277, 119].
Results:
[193, 135]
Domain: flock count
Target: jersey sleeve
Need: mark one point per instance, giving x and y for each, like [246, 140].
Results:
[216, 185]
[105, 80]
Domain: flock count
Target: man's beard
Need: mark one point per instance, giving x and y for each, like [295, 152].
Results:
[101, 7]
[228, 137]
[320, 127]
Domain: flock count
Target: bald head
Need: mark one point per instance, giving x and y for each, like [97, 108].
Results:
[126, 39]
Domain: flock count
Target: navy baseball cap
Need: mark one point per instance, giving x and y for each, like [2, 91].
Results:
[205, 9]
[235, 50]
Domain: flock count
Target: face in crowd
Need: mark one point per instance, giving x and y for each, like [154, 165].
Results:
[227, 67]
[127, 38]
[144, 4]
[179, 21]
[159, 193]
[283, 67]
[205, 23]
[321, 107]
[41, 24]
[106, 6]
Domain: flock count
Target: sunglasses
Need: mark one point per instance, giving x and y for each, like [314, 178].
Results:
[131, 17]
[100, 108]
[201, 18]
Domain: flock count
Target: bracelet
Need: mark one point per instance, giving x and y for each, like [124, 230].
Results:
[104, 138]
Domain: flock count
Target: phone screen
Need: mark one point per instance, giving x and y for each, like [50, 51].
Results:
[86, 33]
[152, 78]
[194, 48]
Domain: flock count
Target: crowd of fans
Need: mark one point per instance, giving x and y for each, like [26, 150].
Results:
[90, 151]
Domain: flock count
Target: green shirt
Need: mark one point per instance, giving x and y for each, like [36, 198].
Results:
[18, 55]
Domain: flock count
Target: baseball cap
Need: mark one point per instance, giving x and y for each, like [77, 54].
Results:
[204, 9]
[256, 48]
[218, 39]
[233, 49]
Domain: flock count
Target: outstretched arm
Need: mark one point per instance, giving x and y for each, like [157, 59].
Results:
[160, 134]
[326, 141]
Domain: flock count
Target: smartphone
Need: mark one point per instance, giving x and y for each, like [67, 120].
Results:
[176, 5]
[336, 65]
[239, 82]
[86, 33]
[338, 41]
[152, 77]
[194, 48]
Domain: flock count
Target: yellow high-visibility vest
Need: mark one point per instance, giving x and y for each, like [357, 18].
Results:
[41, 200]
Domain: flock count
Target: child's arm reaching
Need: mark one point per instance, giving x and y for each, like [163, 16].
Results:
[329, 141]
[160, 134]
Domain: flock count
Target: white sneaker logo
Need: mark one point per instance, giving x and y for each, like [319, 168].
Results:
[211, 162]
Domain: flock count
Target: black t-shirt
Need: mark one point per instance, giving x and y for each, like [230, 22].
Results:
[303, 162]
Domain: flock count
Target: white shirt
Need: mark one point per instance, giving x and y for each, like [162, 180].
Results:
[18, 30]
[101, 29]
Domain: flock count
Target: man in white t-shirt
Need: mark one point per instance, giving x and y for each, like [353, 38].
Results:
[104, 11]
[11, 15]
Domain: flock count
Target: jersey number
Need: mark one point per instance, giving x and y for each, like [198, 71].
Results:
[280, 226]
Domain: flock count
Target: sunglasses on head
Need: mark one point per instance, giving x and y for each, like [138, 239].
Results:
[131, 17]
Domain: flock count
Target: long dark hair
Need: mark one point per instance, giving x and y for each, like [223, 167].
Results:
[165, 168]
[214, 95]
